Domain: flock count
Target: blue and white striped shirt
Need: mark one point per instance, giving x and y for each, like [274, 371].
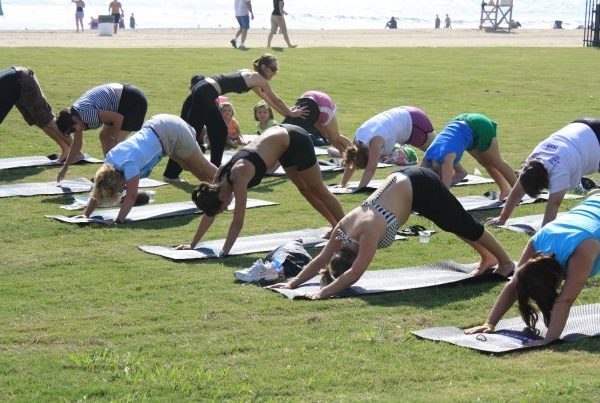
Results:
[98, 98]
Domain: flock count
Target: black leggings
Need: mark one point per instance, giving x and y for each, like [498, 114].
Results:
[204, 111]
[9, 88]
[432, 200]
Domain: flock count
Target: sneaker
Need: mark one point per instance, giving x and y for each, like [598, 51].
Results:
[174, 180]
[258, 271]
[242, 46]
[579, 189]
[233, 43]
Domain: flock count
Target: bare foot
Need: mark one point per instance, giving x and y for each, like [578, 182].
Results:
[484, 265]
[505, 269]
[79, 157]
[327, 235]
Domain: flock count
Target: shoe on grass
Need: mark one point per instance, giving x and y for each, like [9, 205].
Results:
[259, 270]
[233, 43]
[173, 181]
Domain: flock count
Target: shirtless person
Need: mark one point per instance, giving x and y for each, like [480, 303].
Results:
[115, 10]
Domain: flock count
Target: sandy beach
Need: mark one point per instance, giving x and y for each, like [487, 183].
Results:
[205, 38]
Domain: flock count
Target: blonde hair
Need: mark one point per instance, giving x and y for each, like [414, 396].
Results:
[263, 104]
[108, 185]
[224, 105]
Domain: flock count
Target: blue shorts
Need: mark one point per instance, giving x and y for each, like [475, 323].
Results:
[244, 21]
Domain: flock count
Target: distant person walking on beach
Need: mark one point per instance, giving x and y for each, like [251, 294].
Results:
[278, 21]
[79, 6]
[437, 21]
[448, 22]
[115, 10]
[243, 11]
[392, 23]
[132, 21]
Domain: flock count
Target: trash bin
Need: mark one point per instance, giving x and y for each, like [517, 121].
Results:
[105, 25]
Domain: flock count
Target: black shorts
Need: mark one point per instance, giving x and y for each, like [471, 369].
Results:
[432, 200]
[117, 18]
[10, 90]
[593, 123]
[133, 106]
[300, 152]
[307, 122]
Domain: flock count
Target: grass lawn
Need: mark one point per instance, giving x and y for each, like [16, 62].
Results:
[86, 315]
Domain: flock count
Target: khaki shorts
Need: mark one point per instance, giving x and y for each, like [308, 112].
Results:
[176, 136]
[277, 21]
[31, 103]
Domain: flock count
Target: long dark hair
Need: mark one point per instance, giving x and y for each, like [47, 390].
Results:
[341, 261]
[206, 198]
[534, 178]
[538, 280]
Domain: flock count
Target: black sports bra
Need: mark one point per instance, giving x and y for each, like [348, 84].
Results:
[231, 82]
[260, 167]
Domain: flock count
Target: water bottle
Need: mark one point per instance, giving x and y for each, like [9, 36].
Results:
[278, 259]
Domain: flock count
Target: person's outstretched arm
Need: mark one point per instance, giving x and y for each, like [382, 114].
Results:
[368, 247]
[239, 212]
[579, 268]
[132, 186]
[313, 267]
[552, 206]
[447, 169]
[269, 96]
[74, 152]
[375, 146]
[514, 197]
[505, 300]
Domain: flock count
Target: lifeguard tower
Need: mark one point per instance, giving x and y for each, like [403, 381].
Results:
[496, 15]
[591, 34]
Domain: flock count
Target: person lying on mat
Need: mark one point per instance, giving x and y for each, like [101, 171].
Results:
[322, 115]
[376, 138]
[552, 271]
[119, 108]
[19, 87]
[375, 222]
[134, 158]
[286, 144]
[476, 134]
[556, 164]
[205, 112]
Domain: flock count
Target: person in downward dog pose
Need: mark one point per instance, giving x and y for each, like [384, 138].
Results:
[286, 144]
[556, 164]
[374, 224]
[134, 158]
[475, 133]
[376, 138]
[552, 271]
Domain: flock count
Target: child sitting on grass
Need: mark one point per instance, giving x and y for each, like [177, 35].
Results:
[263, 114]
[234, 135]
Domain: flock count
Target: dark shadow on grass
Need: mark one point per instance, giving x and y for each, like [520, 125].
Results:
[14, 174]
[432, 297]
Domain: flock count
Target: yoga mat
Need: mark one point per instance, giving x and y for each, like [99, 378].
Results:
[243, 245]
[375, 183]
[311, 238]
[475, 203]
[473, 180]
[379, 281]
[325, 166]
[38, 160]
[583, 322]
[149, 212]
[80, 202]
[79, 185]
[529, 224]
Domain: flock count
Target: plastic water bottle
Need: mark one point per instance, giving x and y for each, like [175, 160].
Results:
[278, 259]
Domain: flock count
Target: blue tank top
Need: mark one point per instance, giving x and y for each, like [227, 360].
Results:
[456, 137]
[563, 235]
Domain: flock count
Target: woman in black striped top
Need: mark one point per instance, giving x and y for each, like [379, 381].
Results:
[118, 108]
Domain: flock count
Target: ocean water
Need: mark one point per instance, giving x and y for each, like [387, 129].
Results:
[303, 14]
